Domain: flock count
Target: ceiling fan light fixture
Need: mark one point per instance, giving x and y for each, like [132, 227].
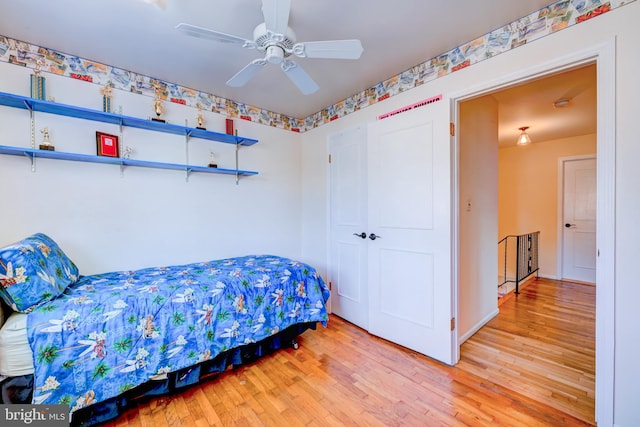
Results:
[524, 138]
[274, 54]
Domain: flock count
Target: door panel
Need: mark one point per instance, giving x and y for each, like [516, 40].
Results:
[405, 303]
[348, 283]
[406, 205]
[348, 200]
[410, 299]
[579, 221]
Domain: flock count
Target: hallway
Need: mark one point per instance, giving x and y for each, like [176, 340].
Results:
[542, 345]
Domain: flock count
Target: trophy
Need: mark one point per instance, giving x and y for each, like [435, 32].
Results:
[157, 107]
[200, 118]
[38, 81]
[127, 152]
[46, 140]
[107, 93]
[212, 161]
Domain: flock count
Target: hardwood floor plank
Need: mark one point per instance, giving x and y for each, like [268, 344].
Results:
[542, 345]
[532, 365]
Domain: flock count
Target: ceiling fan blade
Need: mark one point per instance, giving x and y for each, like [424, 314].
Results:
[205, 33]
[243, 76]
[276, 15]
[299, 77]
[335, 49]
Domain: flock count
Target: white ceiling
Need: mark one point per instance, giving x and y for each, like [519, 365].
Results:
[532, 104]
[138, 36]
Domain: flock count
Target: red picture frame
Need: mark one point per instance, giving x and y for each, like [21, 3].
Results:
[107, 145]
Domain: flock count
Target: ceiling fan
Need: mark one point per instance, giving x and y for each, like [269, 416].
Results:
[277, 40]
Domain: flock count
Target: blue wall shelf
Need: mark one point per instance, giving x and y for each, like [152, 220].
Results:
[33, 154]
[31, 104]
[39, 105]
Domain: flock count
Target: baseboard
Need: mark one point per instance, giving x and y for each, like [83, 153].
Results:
[477, 326]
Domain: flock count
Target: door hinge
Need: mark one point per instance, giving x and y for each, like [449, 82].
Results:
[330, 286]
[452, 129]
[453, 323]
[329, 158]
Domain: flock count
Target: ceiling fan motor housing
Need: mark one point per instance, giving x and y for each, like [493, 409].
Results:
[276, 46]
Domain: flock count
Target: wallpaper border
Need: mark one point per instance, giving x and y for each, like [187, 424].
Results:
[556, 16]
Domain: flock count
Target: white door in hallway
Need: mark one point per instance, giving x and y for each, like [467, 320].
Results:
[409, 199]
[348, 225]
[579, 220]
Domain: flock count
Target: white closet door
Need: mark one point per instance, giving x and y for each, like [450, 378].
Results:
[348, 218]
[410, 291]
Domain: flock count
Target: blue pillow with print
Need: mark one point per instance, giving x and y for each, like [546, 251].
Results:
[33, 271]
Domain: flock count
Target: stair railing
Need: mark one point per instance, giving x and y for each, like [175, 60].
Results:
[526, 257]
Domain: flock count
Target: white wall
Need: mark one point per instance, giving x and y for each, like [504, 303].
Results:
[152, 216]
[478, 215]
[621, 24]
[148, 216]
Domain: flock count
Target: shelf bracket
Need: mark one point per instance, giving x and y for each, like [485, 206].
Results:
[188, 170]
[187, 136]
[32, 158]
[237, 166]
[122, 168]
[32, 123]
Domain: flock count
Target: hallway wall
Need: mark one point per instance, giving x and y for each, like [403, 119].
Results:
[528, 192]
[478, 216]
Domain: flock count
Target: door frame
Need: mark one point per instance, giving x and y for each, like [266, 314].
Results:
[560, 215]
[603, 55]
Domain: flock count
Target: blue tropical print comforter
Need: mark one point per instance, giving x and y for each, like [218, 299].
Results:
[108, 333]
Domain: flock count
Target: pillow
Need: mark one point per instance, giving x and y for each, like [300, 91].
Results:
[33, 271]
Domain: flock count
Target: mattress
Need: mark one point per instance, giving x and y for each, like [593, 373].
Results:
[15, 353]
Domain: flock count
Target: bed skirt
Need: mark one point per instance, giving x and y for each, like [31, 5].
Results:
[20, 389]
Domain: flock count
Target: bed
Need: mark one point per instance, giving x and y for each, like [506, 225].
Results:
[98, 342]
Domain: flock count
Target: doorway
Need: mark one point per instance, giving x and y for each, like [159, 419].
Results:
[603, 55]
[514, 190]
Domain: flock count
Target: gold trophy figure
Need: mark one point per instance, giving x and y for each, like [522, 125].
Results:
[200, 118]
[107, 93]
[157, 106]
[37, 81]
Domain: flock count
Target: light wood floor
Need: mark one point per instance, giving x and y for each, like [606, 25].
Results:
[533, 365]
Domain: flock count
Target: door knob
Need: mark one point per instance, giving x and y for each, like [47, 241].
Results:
[362, 235]
[372, 236]
[570, 225]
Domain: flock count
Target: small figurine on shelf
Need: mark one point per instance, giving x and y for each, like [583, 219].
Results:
[107, 93]
[37, 81]
[127, 152]
[46, 140]
[212, 161]
[200, 118]
[157, 106]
